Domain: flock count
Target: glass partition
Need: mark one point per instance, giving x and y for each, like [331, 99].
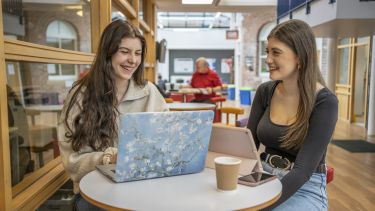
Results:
[343, 66]
[140, 9]
[34, 107]
[116, 14]
[60, 24]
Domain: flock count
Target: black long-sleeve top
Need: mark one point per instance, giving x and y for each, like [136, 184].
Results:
[313, 150]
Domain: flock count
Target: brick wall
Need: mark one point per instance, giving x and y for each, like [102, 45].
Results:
[36, 23]
[252, 23]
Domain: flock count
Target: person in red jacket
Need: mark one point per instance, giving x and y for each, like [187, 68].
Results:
[205, 79]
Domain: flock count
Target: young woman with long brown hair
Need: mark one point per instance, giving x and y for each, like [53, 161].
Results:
[294, 116]
[115, 85]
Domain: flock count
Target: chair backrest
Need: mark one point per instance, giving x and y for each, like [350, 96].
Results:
[232, 110]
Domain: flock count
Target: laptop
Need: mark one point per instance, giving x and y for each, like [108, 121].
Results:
[160, 144]
[234, 141]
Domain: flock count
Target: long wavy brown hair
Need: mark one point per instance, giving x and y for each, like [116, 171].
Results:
[95, 125]
[298, 36]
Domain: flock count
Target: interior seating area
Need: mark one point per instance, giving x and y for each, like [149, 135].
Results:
[207, 61]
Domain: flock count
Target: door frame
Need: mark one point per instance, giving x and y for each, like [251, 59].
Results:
[355, 46]
[345, 92]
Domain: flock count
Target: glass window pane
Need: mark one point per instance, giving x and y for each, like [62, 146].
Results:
[363, 39]
[68, 69]
[41, 23]
[263, 46]
[53, 42]
[344, 41]
[194, 20]
[265, 31]
[116, 14]
[68, 44]
[53, 69]
[343, 65]
[264, 67]
[140, 9]
[34, 105]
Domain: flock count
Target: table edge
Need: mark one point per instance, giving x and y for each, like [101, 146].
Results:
[190, 109]
[108, 207]
[264, 205]
[99, 204]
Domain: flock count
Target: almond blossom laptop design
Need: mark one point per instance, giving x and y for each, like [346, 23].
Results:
[160, 144]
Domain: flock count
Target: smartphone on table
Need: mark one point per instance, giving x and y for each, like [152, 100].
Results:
[255, 179]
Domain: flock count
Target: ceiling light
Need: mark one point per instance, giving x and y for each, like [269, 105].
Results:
[79, 13]
[73, 7]
[197, 1]
[191, 18]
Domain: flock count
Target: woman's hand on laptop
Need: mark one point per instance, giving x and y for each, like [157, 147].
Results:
[110, 155]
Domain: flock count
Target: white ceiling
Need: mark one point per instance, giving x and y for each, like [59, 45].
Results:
[216, 6]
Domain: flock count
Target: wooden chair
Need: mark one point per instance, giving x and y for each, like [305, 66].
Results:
[219, 103]
[330, 173]
[189, 97]
[42, 138]
[232, 110]
[176, 97]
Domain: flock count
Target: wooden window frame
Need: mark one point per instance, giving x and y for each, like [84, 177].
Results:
[31, 192]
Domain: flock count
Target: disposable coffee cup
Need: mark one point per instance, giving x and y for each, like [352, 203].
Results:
[227, 173]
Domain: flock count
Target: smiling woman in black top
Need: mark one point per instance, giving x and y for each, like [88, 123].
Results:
[294, 116]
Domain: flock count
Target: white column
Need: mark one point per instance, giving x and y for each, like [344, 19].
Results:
[371, 110]
[237, 56]
[237, 69]
[331, 63]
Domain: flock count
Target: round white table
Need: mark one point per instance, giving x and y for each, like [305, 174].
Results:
[186, 192]
[190, 106]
